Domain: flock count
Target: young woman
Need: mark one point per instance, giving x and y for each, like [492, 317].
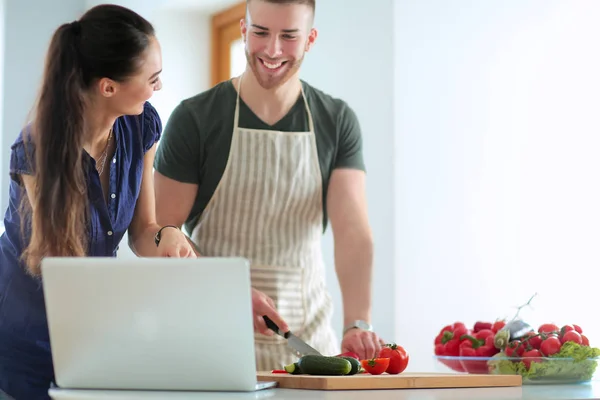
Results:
[81, 175]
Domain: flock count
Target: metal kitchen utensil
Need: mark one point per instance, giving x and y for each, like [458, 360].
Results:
[297, 344]
[517, 328]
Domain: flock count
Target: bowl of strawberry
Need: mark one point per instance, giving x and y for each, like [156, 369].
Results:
[550, 354]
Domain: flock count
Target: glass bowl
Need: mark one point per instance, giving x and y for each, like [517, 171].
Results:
[533, 370]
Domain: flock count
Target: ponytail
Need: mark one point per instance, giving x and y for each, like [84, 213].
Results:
[58, 201]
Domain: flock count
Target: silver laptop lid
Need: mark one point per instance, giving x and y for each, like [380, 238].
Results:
[150, 324]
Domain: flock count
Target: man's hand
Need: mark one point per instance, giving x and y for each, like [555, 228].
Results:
[264, 305]
[364, 343]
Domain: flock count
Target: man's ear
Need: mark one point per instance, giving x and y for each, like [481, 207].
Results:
[312, 37]
[243, 29]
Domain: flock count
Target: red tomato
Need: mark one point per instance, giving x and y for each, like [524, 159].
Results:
[398, 358]
[578, 329]
[375, 366]
[571, 336]
[550, 346]
[515, 349]
[547, 328]
[533, 341]
[531, 356]
[566, 329]
[584, 340]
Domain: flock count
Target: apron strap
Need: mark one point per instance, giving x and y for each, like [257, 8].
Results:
[236, 117]
[311, 126]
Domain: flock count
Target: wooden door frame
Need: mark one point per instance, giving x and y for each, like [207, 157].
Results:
[225, 24]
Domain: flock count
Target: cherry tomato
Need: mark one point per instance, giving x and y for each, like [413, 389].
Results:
[532, 340]
[375, 366]
[515, 349]
[550, 346]
[566, 329]
[547, 328]
[578, 329]
[585, 341]
[398, 358]
[531, 356]
[572, 336]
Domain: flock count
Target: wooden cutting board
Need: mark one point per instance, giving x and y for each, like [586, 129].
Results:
[385, 381]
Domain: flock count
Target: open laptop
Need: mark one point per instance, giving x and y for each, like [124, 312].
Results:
[150, 324]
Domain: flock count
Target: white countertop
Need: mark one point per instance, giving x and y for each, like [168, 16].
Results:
[543, 392]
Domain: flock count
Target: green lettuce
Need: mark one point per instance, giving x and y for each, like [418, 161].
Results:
[573, 363]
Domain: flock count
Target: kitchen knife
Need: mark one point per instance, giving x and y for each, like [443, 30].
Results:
[299, 345]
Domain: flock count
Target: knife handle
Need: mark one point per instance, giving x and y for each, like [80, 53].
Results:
[273, 326]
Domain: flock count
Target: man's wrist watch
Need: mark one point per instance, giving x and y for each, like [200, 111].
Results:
[360, 324]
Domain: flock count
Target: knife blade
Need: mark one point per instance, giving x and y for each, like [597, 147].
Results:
[298, 345]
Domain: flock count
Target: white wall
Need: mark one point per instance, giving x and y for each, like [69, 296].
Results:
[26, 38]
[497, 195]
[185, 41]
[353, 59]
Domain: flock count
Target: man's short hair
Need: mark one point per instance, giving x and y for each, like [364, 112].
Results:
[310, 3]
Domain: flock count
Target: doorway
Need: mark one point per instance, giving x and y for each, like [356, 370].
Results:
[228, 57]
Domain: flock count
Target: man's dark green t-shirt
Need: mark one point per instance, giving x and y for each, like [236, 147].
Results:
[194, 147]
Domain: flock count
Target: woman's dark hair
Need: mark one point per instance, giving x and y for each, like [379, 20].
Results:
[108, 41]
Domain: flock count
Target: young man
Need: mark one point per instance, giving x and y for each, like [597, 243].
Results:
[256, 167]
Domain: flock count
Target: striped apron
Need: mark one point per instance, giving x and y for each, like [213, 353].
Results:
[267, 208]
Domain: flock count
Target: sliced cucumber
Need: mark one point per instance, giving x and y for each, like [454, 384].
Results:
[355, 365]
[293, 369]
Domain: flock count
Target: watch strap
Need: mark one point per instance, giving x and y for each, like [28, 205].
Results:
[360, 324]
[158, 234]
